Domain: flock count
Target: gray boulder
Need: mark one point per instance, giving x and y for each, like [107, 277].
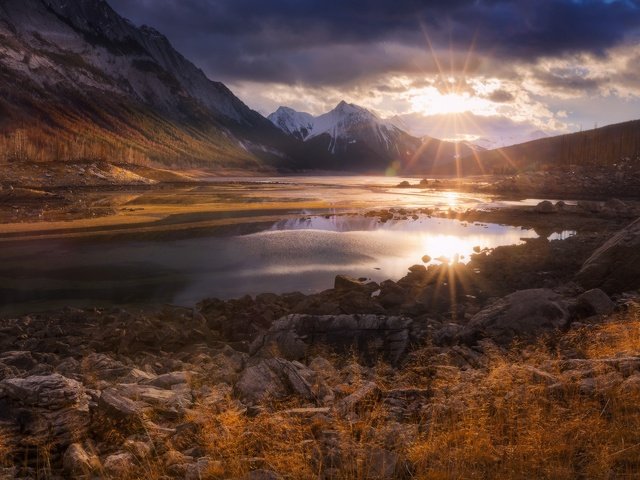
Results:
[595, 302]
[46, 409]
[370, 335]
[615, 266]
[276, 378]
[524, 314]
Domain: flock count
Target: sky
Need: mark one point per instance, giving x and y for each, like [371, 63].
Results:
[491, 71]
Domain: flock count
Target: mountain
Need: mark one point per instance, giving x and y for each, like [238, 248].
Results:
[356, 139]
[615, 144]
[297, 124]
[79, 81]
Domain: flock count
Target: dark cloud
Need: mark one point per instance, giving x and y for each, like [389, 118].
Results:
[335, 42]
[501, 96]
[571, 80]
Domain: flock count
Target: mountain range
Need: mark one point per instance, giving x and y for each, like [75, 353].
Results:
[80, 82]
[357, 139]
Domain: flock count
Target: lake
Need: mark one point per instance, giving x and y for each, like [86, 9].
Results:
[317, 232]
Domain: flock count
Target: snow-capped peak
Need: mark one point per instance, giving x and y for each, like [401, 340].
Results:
[298, 124]
[339, 121]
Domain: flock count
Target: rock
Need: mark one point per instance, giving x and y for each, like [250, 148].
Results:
[545, 207]
[524, 314]
[119, 465]
[447, 334]
[168, 380]
[391, 294]
[49, 409]
[367, 393]
[112, 404]
[594, 302]
[343, 282]
[275, 378]
[102, 367]
[371, 336]
[615, 266]
[167, 401]
[141, 450]
[78, 462]
[418, 269]
[19, 359]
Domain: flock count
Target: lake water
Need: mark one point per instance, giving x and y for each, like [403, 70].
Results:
[300, 252]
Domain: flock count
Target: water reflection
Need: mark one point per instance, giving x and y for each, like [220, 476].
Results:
[293, 255]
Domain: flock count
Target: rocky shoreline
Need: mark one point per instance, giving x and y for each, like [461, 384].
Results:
[344, 383]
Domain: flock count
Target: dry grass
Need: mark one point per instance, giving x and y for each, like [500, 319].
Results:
[512, 421]
[524, 416]
[530, 413]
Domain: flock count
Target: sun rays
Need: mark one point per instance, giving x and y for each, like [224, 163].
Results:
[456, 99]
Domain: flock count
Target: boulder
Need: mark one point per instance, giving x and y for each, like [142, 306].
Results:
[19, 359]
[276, 378]
[524, 314]
[343, 282]
[113, 405]
[545, 207]
[615, 266]
[594, 302]
[371, 335]
[162, 399]
[44, 409]
[168, 380]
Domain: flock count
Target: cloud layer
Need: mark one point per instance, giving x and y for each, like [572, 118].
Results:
[551, 49]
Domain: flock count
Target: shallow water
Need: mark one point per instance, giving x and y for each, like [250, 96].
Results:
[298, 253]
[292, 255]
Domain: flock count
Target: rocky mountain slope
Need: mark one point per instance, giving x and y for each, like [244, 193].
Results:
[79, 81]
[357, 140]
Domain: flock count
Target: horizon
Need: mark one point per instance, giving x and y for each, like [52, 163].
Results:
[497, 73]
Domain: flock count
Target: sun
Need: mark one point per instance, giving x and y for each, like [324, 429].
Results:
[431, 101]
[435, 103]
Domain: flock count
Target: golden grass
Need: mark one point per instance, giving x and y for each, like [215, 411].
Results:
[525, 415]
[521, 417]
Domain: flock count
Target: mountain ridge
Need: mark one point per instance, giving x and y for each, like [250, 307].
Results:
[76, 70]
[357, 139]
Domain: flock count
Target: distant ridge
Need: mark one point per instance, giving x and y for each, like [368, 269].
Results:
[601, 147]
